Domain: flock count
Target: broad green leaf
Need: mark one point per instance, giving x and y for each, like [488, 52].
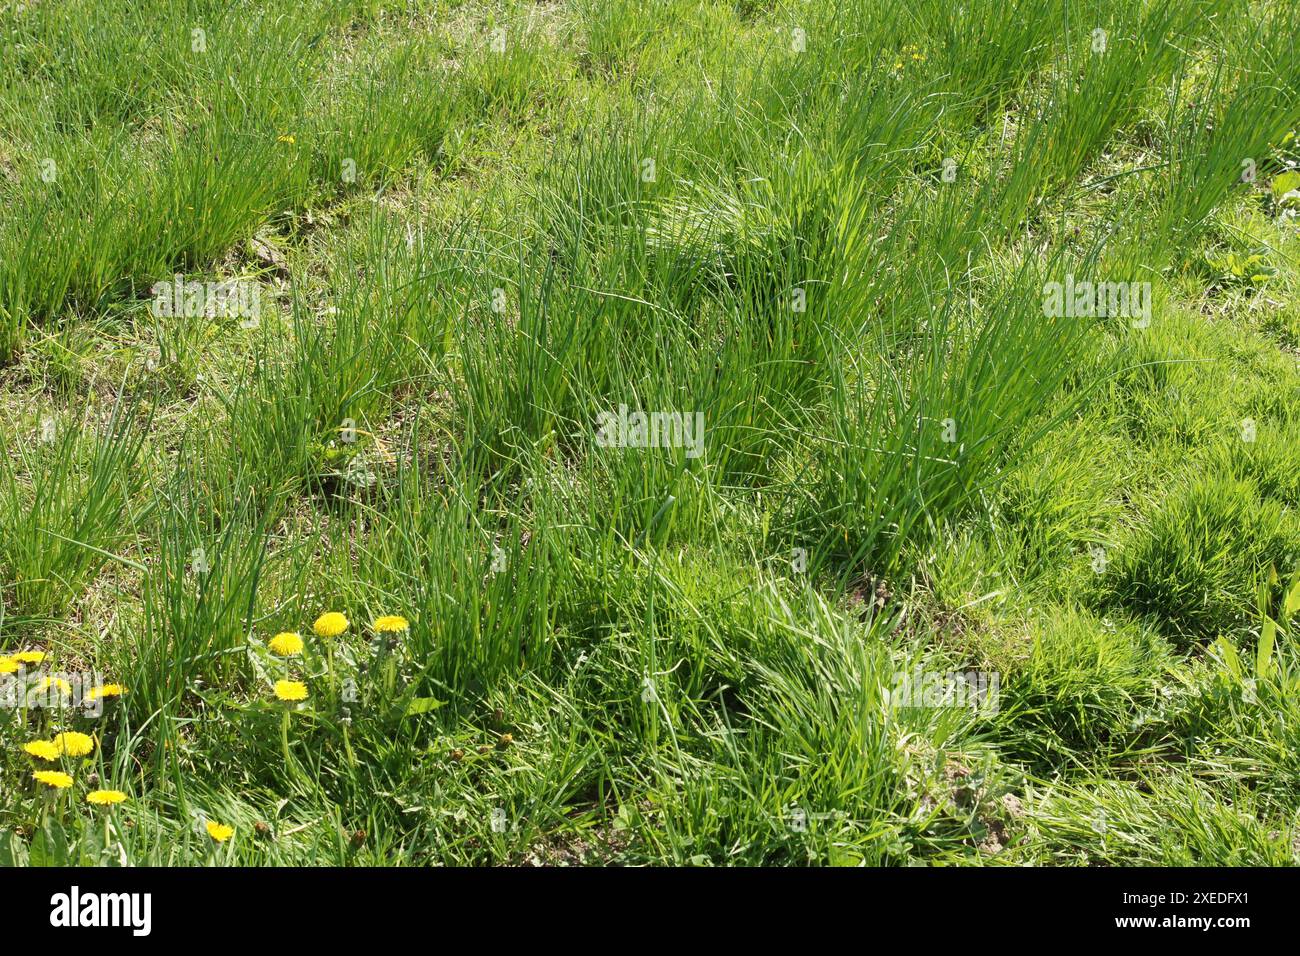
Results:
[13, 851]
[422, 705]
[1291, 603]
[1264, 650]
[1227, 652]
[1284, 183]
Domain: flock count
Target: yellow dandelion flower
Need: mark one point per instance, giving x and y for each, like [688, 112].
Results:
[330, 624]
[74, 744]
[57, 683]
[105, 798]
[108, 690]
[391, 623]
[286, 138]
[42, 749]
[8, 665]
[28, 657]
[219, 831]
[290, 690]
[286, 644]
[53, 778]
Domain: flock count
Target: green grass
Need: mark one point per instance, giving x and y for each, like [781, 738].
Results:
[827, 232]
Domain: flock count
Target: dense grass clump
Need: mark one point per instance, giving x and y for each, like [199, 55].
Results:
[604, 432]
[1193, 567]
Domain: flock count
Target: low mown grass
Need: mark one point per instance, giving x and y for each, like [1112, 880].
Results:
[814, 245]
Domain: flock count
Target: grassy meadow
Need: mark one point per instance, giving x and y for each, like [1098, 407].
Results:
[687, 432]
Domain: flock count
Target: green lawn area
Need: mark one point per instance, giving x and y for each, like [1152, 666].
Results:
[676, 432]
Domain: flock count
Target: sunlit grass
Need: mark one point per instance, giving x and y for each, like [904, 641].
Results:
[365, 580]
